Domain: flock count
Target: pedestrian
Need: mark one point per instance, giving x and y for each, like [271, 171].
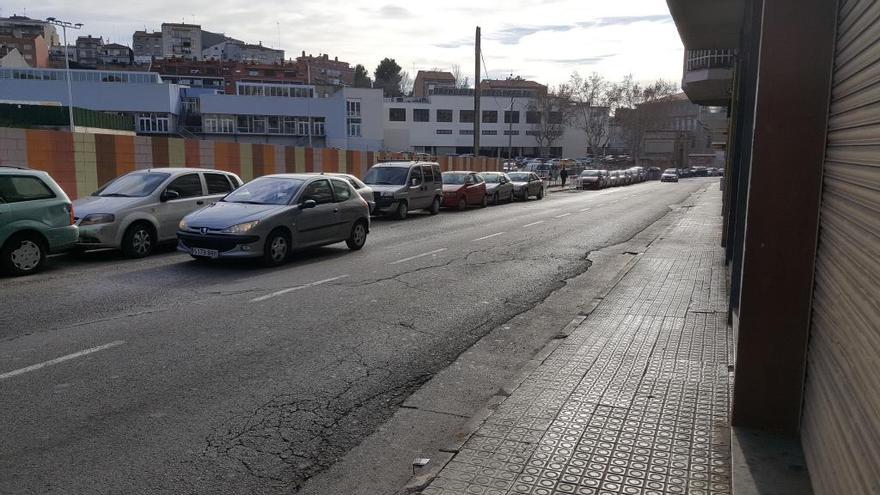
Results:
[563, 174]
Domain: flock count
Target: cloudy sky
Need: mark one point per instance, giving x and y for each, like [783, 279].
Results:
[544, 40]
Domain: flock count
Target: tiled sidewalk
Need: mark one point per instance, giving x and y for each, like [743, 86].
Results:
[636, 400]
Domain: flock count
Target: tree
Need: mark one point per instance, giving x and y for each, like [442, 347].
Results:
[595, 100]
[361, 77]
[553, 111]
[406, 84]
[461, 81]
[388, 76]
[636, 113]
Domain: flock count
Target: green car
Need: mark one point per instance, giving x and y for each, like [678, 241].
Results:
[36, 218]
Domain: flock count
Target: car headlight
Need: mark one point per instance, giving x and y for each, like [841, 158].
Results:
[182, 225]
[98, 218]
[387, 194]
[241, 228]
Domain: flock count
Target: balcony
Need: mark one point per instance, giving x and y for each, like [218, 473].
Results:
[708, 76]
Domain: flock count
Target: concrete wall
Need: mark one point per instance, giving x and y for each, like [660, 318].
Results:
[81, 162]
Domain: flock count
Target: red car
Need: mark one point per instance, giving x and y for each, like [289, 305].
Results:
[463, 189]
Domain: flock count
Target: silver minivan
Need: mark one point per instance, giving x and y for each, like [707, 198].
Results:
[141, 209]
[400, 187]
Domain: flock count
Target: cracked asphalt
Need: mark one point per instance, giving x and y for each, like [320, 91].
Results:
[223, 384]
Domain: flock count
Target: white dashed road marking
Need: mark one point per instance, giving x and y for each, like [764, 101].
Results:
[488, 236]
[61, 359]
[298, 287]
[429, 253]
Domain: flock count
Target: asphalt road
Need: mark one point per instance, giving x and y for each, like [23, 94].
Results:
[179, 376]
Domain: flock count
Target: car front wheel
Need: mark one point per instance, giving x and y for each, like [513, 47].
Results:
[402, 210]
[435, 207]
[358, 236]
[23, 254]
[138, 241]
[277, 248]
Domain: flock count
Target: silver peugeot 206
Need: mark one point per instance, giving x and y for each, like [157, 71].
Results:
[275, 214]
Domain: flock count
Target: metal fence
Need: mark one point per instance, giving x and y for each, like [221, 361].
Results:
[710, 59]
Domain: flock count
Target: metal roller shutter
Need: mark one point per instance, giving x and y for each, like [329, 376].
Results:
[841, 415]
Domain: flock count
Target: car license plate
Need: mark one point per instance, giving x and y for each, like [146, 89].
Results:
[208, 253]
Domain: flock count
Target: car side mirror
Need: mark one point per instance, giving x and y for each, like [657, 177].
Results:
[309, 203]
[168, 195]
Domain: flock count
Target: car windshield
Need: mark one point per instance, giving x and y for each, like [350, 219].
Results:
[492, 178]
[590, 173]
[265, 191]
[134, 185]
[670, 171]
[391, 176]
[454, 178]
[519, 177]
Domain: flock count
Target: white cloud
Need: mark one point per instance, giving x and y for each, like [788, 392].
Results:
[542, 40]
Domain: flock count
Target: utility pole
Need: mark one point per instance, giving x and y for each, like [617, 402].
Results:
[510, 132]
[64, 25]
[477, 113]
[309, 100]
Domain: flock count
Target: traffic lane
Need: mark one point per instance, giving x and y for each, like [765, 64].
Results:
[407, 349]
[119, 294]
[104, 284]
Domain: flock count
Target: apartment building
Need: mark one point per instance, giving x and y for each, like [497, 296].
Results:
[33, 49]
[427, 80]
[88, 50]
[237, 51]
[17, 26]
[322, 69]
[181, 41]
[801, 232]
[146, 46]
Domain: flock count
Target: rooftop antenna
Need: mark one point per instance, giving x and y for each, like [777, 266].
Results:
[278, 28]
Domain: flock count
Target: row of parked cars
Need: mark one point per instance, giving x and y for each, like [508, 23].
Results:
[599, 179]
[212, 214]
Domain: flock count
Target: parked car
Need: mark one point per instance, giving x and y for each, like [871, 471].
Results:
[362, 189]
[498, 187]
[669, 175]
[271, 216]
[137, 211]
[590, 179]
[401, 187]
[463, 189]
[36, 219]
[527, 184]
[616, 179]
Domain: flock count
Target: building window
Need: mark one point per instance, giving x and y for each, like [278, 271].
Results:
[244, 124]
[354, 127]
[444, 115]
[259, 125]
[466, 132]
[444, 131]
[397, 114]
[209, 125]
[289, 125]
[227, 125]
[353, 108]
[555, 118]
[511, 117]
[318, 126]
[153, 123]
[532, 133]
[302, 127]
[421, 115]
[466, 116]
[511, 133]
[489, 133]
[274, 125]
[490, 116]
[533, 117]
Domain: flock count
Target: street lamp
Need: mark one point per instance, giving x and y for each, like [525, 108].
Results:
[64, 25]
